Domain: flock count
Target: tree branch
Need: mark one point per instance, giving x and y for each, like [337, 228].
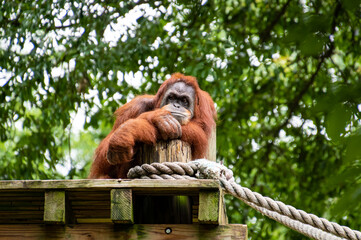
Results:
[294, 103]
[266, 33]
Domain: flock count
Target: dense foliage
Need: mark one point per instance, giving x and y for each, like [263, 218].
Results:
[285, 76]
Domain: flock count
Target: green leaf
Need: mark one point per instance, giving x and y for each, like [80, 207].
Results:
[337, 121]
[312, 45]
[353, 148]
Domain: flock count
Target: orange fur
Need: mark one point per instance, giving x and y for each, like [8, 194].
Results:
[134, 124]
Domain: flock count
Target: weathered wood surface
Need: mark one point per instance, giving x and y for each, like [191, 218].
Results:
[165, 151]
[21, 207]
[109, 231]
[209, 206]
[89, 201]
[121, 206]
[211, 152]
[173, 151]
[223, 219]
[163, 209]
[89, 206]
[93, 184]
[54, 208]
[212, 209]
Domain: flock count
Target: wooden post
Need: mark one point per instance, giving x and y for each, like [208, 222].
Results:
[54, 207]
[121, 206]
[174, 209]
[211, 208]
[171, 151]
[211, 152]
[163, 209]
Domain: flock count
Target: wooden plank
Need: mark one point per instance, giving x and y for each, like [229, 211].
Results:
[91, 212]
[109, 231]
[121, 206]
[10, 214]
[96, 184]
[89, 206]
[4, 194]
[209, 205]
[223, 219]
[54, 207]
[211, 151]
[94, 220]
[22, 221]
[22, 217]
[212, 209]
[20, 208]
[88, 196]
[20, 199]
[26, 203]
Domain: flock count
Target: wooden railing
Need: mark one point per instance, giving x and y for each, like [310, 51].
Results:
[111, 209]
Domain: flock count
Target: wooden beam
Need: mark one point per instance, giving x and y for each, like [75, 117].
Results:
[223, 219]
[209, 206]
[93, 184]
[110, 231]
[54, 207]
[121, 206]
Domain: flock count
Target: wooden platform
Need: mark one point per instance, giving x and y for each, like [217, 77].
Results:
[105, 209]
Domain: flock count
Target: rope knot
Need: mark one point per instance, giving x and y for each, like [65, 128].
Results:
[211, 170]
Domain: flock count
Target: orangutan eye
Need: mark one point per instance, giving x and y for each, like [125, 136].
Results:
[185, 102]
[171, 97]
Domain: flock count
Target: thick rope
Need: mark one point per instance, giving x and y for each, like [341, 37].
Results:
[308, 224]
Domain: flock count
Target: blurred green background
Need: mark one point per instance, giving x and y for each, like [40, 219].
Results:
[285, 77]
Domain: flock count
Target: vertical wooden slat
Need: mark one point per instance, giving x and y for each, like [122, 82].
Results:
[209, 206]
[54, 207]
[211, 151]
[121, 206]
[223, 219]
